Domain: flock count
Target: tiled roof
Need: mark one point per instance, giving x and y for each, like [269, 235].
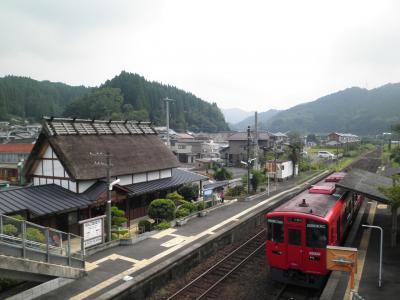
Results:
[41, 200]
[242, 136]
[178, 178]
[16, 148]
[365, 183]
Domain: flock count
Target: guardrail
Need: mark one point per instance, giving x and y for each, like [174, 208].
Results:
[23, 239]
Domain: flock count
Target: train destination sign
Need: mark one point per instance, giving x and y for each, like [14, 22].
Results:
[93, 230]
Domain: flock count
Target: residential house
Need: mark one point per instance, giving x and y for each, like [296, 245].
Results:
[237, 149]
[11, 159]
[335, 138]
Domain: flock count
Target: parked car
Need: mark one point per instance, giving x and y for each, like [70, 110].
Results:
[326, 154]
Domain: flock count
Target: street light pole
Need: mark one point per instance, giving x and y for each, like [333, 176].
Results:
[248, 160]
[380, 252]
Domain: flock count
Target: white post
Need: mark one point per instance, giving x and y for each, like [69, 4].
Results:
[380, 253]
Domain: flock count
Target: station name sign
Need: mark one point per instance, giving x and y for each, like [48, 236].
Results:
[93, 231]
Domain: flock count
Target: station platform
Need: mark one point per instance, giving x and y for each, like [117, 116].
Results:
[368, 243]
[109, 269]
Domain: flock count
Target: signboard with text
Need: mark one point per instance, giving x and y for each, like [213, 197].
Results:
[93, 231]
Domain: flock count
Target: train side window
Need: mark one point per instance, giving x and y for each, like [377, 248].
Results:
[275, 230]
[316, 234]
[294, 236]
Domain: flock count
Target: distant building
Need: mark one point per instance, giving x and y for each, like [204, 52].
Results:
[237, 149]
[283, 169]
[335, 138]
[10, 156]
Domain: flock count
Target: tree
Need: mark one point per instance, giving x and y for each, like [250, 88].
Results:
[393, 194]
[395, 155]
[189, 191]
[222, 174]
[99, 104]
[294, 155]
[257, 179]
[162, 209]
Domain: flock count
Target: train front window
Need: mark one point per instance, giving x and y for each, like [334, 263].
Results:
[275, 230]
[317, 234]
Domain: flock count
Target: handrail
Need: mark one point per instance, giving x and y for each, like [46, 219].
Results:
[33, 237]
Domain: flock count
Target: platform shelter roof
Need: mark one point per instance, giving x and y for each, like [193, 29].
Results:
[365, 183]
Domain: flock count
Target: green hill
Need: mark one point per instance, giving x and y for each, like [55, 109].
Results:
[126, 96]
[26, 98]
[354, 110]
[187, 111]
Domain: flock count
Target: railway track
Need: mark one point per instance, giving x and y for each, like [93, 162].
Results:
[292, 292]
[204, 286]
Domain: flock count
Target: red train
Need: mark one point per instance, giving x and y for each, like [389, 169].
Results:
[299, 230]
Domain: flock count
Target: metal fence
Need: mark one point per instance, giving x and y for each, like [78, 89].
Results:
[40, 243]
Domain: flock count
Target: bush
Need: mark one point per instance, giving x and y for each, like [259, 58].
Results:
[222, 174]
[189, 206]
[18, 217]
[162, 209]
[144, 225]
[117, 217]
[163, 225]
[10, 229]
[174, 197]
[34, 234]
[199, 205]
[182, 212]
[236, 191]
[189, 191]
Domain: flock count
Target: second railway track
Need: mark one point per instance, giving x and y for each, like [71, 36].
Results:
[203, 286]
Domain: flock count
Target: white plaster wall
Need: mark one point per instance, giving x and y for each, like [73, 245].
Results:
[125, 180]
[139, 177]
[84, 185]
[166, 173]
[153, 175]
[59, 169]
[47, 167]
[48, 153]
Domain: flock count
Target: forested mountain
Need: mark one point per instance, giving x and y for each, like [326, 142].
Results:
[263, 117]
[235, 115]
[126, 96]
[187, 111]
[31, 99]
[354, 110]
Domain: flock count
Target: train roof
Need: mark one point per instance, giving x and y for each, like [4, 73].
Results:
[316, 201]
[335, 177]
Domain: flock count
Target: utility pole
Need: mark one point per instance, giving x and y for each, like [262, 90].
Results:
[167, 101]
[255, 148]
[248, 160]
[107, 164]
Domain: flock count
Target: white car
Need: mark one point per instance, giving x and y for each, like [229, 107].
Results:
[326, 154]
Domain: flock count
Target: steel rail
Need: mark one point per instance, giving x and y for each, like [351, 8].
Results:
[198, 278]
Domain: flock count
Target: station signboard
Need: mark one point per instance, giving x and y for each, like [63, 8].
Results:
[93, 231]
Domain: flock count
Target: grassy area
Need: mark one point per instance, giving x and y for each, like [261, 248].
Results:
[314, 150]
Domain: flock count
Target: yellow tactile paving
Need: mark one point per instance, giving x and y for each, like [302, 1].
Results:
[95, 264]
[143, 263]
[163, 233]
[362, 252]
[175, 241]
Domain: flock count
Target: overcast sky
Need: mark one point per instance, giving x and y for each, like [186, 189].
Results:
[254, 55]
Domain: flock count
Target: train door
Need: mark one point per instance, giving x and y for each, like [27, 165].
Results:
[294, 247]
